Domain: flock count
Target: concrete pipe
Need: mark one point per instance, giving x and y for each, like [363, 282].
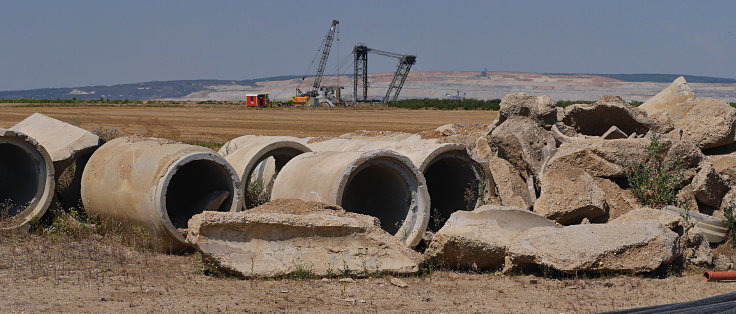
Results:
[455, 181]
[379, 183]
[158, 185]
[257, 160]
[26, 181]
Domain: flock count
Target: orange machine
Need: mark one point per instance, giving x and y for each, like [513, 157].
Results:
[257, 100]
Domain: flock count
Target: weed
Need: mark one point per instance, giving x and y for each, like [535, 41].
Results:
[256, 194]
[652, 183]
[730, 221]
[688, 222]
[301, 271]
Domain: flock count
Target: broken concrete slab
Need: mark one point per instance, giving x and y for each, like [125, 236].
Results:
[26, 181]
[540, 109]
[525, 144]
[288, 237]
[669, 100]
[569, 195]
[709, 123]
[692, 244]
[712, 228]
[597, 248]
[479, 239]
[511, 188]
[614, 133]
[609, 158]
[64, 142]
[620, 201]
[708, 186]
[597, 118]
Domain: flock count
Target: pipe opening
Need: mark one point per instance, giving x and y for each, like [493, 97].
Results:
[382, 191]
[197, 186]
[19, 179]
[257, 189]
[453, 184]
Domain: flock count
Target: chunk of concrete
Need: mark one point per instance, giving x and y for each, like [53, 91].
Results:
[479, 239]
[708, 186]
[64, 142]
[603, 248]
[669, 100]
[540, 109]
[569, 195]
[597, 118]
[709, 123]
[288, 237]
[524, 143]
[620, 201]
[614, 133]
[511, 188]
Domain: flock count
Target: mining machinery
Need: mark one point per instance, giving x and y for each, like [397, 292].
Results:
[360, 75]
[324, 53]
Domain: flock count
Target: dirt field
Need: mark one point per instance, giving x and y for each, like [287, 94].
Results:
[53, 273]
[88, 273]
[222, 123]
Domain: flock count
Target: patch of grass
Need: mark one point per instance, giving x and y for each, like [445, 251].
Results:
[733, 104]
[209, 144]
[255, 194]
[446, 104]
[652, 183]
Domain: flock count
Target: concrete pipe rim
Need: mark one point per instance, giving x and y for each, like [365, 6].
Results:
[44, 172]
[264, 153]
[417, 218]
[171, 171]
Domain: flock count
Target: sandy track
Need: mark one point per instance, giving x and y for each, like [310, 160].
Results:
[222, 123]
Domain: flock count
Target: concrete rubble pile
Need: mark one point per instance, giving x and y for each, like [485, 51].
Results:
[542, 188]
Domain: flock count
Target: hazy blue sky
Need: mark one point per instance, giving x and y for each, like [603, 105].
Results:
[73, 43]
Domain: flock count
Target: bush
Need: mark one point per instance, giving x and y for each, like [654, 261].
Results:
[730, 222]
[446, 104]
[652, 183]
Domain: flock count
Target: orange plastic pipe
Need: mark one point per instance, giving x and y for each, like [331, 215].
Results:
[719, 275]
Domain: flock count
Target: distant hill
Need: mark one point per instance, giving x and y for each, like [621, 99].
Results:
[660, 78]
[420, 85]
[135, 91]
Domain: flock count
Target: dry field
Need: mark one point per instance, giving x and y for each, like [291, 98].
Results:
[90, 273]
[222, 123]
[63, 273]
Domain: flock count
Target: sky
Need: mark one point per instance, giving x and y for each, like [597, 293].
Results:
[102, 42]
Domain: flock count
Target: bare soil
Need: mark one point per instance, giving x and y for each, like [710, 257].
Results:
[222, 123]
[58, 273]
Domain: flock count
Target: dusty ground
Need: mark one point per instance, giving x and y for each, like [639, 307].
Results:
[53, 273]
[224, 122]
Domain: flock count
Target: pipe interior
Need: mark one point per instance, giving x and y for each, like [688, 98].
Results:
[452, 183]
[19, 179]
[379, 190]
[257, 189]
[193, 187]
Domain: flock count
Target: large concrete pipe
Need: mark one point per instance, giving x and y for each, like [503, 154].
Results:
[26, 181]
[379, 183]
[257, 160]
[455, 181]
[69, 147]
[158, 185]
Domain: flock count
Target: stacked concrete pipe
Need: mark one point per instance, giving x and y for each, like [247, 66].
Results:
[449, 170]
[378, 183]
[158, 185]
[26, 180]
[260, 158]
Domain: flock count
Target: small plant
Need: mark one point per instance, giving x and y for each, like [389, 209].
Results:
[652, 182]
[730, 221]
[687, 219]
[256, 194]
[301, 271]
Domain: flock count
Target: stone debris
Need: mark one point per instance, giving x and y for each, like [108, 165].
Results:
[669, 99]
[597, 118]
[289, 237]
[603, 248]
[480, 239]
[569, 194]
[512, 190]
[614, 133]
[540, 109]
